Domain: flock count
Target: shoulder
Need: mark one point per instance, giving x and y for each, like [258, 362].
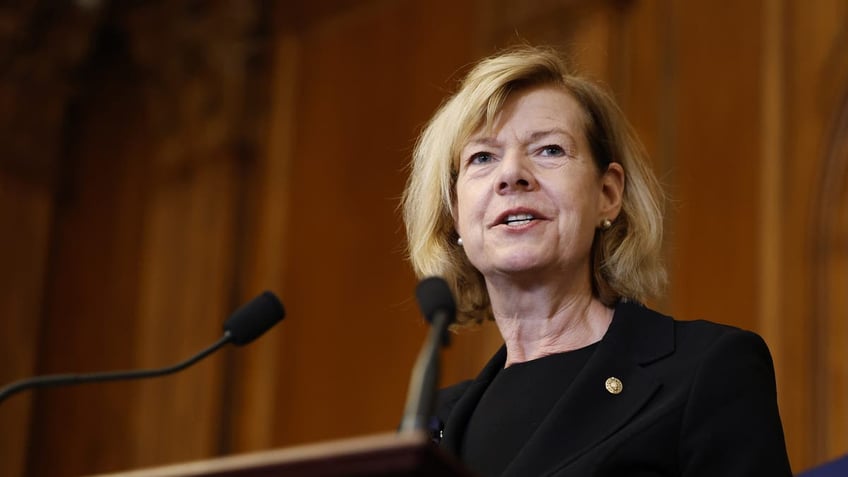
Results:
[728, 358]
[692, 356]
[715, 338]
[724, 347]
[732, 397]
[652, 335]
[706, 356]
[720, 379]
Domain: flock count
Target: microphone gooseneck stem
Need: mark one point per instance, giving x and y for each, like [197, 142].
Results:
[425, 376]
[66, 379]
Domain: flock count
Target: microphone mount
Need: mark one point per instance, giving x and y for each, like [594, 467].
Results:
[245, 324]
[437, 304]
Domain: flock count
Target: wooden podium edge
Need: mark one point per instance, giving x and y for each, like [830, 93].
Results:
[344, 453]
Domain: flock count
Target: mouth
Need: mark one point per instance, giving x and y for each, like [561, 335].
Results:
[517, 218]
[514, 220]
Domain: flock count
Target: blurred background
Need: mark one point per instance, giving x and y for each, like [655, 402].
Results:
[163, 161]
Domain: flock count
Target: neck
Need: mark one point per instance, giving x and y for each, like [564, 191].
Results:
[544, 320]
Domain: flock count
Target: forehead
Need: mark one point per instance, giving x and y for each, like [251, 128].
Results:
[534, 109]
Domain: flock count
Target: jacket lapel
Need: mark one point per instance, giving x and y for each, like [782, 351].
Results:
[587, 413]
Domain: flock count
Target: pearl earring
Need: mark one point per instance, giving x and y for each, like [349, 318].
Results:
[606, 224]
[459, 241]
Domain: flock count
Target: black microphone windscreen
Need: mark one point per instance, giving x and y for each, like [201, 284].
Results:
[254, 318]
[434, 294]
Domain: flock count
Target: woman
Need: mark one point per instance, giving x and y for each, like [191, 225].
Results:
[531, 196]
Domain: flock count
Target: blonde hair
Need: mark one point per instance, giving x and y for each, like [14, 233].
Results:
[626, 258]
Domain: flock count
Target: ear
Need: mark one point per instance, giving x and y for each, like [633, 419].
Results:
[612, 192]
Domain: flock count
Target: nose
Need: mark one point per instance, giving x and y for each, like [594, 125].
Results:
[516, 174]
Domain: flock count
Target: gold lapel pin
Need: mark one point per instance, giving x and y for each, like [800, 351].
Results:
[614, 385]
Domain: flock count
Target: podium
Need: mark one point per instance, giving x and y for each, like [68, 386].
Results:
[380, 455]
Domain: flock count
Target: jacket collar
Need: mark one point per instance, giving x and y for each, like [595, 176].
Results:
[587, 412]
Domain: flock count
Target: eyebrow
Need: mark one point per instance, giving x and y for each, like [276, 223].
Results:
[483, 141]
[535, 136]
[541, 134]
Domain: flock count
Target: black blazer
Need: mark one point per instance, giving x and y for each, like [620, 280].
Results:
[697, 399]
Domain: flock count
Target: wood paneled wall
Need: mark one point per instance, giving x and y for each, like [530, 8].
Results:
[200, 153]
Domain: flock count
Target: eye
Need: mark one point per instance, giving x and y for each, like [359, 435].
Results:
[552, 150]
[480, 158]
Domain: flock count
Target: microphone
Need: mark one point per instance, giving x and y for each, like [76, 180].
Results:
[246, 324]
[437, 305]
[254, 318]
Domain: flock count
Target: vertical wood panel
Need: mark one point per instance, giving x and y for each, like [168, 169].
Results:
[142, 267]
[39, 43]
[832, 306]
[815, 34]
[91, 293]
[644, 84]
[254, 393]
[25, 218]
[830, 279]
[186, 270]
[772, 146]
[367, 80]
[648, 96]
[714, 259]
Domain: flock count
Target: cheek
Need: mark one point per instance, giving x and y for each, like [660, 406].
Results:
[457, 219]
[579, 194]
[465, 208]
[464, 221]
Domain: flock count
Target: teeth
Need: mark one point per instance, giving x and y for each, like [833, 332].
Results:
[518, 219]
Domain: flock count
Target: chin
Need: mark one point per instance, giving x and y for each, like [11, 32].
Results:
[513, 261]
[519, 265]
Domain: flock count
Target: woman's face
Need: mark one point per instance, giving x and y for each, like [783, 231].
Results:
[529, 196]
